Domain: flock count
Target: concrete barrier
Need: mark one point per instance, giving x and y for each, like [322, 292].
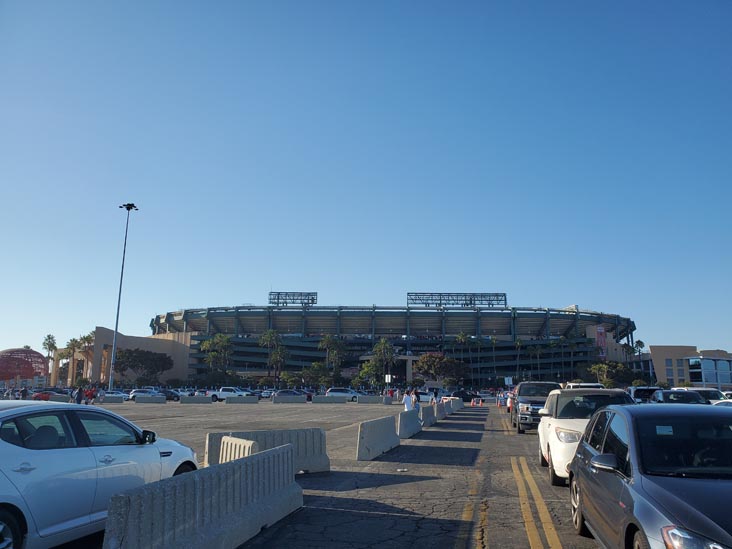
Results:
[439, 410]
[292, 399]
[457, 404]
[236, 448]
[201, 399]
[448, 407]
[150, 399]
[376, 437]
[387, 400]
[112, 399]
[242, 400]
[369, 399]
[221, 506]
[427, 415]
[322, 399]
[309, 450]
[60, 398]
[408, 424]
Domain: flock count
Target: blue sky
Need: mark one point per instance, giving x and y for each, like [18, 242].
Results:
[561, 152]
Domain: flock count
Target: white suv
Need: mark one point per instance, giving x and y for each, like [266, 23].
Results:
[342, 391]
[563, 420]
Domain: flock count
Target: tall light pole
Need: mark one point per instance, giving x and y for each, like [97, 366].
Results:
[129, 206]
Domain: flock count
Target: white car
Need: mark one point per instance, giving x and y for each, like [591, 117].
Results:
[350, 394]
[563, 420]
[710, 394]
[61, 463]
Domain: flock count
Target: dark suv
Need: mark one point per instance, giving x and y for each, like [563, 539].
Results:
[528, 398]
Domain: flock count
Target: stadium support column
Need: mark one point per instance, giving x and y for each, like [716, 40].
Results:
[513, 324]
[373, 324]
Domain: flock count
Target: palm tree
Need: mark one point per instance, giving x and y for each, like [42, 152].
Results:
[639, 346]
[538, 351]
[86, 343]
[462, 340]
[572, 348]
[72, 345]
[562, 345]
[495, 369]
[518, 344]
[334, 353]
[49, 345]
[272, 340]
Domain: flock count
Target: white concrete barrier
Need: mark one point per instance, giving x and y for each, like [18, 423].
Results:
[408, 424]
[439, 410]
[59, 398]
[112, 399]
[387, 400]
[253, 399]
[322, 399]
[427, 415]
[309, 450]
[369, 399]
[236, 448]
[457, 403]
[221, 506]
[292, 399]
[376, 437]
[448, 406]
[150, 399]
[200, 399]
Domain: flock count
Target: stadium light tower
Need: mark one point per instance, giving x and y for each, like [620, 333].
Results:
[129, 206]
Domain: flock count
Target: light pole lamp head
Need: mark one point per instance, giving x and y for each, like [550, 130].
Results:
[129, 206]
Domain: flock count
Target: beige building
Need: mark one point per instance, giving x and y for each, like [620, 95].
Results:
[96, 362]
[681, 364]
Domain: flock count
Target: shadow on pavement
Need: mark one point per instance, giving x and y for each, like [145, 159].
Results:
[457, 426]
[344, 481]
[431, 455]
[333, 522]
[454, 436]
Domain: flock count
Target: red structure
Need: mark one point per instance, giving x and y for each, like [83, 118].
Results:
[25, 363]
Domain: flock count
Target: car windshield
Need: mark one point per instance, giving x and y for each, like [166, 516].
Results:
[686, 446]
[583, 406]
[711, 394]
[685, 397]
[538, 390]
[644, 394]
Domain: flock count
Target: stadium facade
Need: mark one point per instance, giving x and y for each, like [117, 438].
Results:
[502, 342]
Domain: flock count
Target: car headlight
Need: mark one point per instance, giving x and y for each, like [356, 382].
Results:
[524, 408]
[678, 538]
[567, 436]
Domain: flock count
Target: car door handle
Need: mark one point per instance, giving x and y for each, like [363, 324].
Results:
[24, 467]
[106, 460]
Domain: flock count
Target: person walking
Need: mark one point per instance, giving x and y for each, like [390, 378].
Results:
[24, 393]
[79, 395]
[407, 401]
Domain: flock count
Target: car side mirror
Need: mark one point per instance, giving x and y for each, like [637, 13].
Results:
[545, 412]
[605, 462]
[148, 437]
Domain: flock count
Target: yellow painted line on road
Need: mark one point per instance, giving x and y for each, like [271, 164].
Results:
[468, 513]
[481, 533]
[531, 530]
[546, 519]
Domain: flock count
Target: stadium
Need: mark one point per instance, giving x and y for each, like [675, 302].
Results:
[499, 344]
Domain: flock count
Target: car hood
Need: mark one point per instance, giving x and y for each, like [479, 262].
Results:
[695, 504]
[532, 400]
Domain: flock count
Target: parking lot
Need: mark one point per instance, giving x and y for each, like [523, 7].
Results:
[468, 481]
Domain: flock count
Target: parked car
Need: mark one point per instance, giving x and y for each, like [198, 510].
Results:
[46, 394]
[527, 399]
[656, 475]
[86, 453]
[170, 394]
[146, 392]
[583, 385]
[267, 393]
[125, 396]
[677, 397]
[711, 395]
[564, 418]
[641, 394]
[465, 394]
[350, 394]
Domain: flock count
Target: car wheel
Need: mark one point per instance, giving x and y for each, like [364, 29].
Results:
[554, 479]
[184, 468]
[519, 430]
[575, 502]
[214, 398]
[640, 541]
[542, 459]
[10, 535]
